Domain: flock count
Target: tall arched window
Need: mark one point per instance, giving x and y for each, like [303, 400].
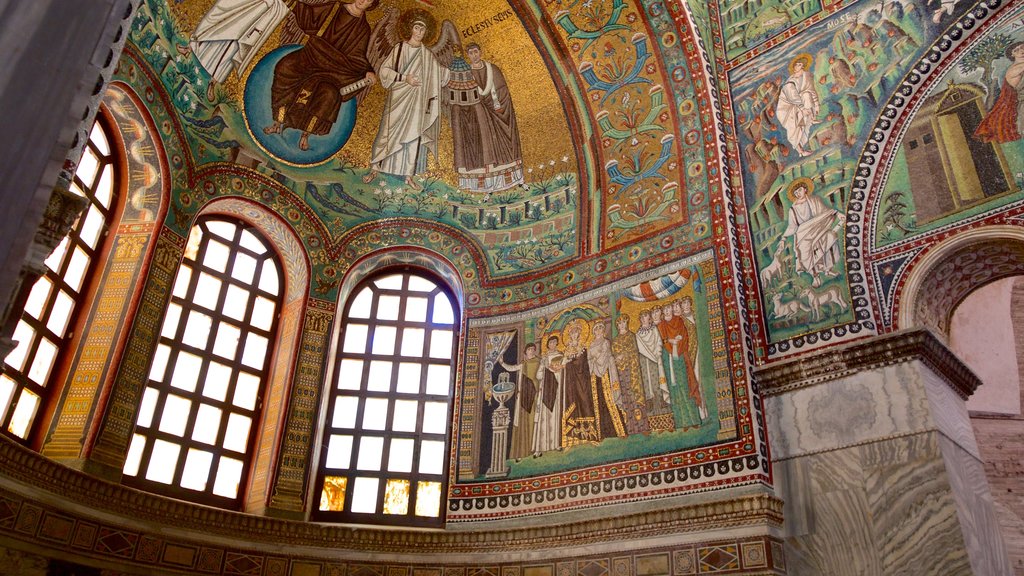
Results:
[200, 411]
[53, 306]
[386, 444]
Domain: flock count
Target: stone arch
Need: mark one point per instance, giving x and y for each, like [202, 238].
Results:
[946, 273]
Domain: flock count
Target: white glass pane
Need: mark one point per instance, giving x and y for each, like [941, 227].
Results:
[207, 291]
[195, 238]
[246, 390]
[431, 457]
[228, 474]
[197, 470]
[37, 298]
[263, 313]
[269, 281]
[43, 362]
[441, 344]
[92, 227]
[360, 307]
[412, 342]
[387, 307]
[375, 414]
[339, 452]
[391, 282]
[416, 309]
[162, 462]
[420, 284]
[355, 338]
[24, 413]
[350, 374]
[244, 269]
[225, 230]
[186, 371]
[428, 499]
[236, 437]
[160, 357]
[23, 336]
[99, 139]
[409, 378]
[345, 412]
[226, 344]
[60, 314]
[87, 167]
[76, 269]
[175, 415]
[7, 387]
[149, 399]
[438, 379]
[54, 259]
[218, 377]
[384, 340]
[252, 243]
[435, 417]
[443, 313]
[370, 451]
[181, 281]
[207, 424]
[364, 495]
[131, 462]
[197, 329]
[380, 376]
[105, 187]
[171, 319]
[400, 455]
[255, 351]
[405, 416]
[236, 302]
[216, 256]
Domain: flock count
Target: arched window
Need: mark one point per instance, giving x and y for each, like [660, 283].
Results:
[386, 443]
[53, 306]
[200, 411]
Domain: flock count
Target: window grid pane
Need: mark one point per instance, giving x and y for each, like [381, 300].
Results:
[214, 352]
[52, 308]
[386, 443]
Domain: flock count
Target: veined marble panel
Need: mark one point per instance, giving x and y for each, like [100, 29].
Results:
[949, 411]
[869, 405]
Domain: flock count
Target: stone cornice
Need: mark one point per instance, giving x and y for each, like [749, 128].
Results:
[876, 352]
[44, 480]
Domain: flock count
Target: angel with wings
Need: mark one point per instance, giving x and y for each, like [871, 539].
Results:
[413, 71]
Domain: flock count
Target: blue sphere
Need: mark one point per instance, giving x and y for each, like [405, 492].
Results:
[285, 146]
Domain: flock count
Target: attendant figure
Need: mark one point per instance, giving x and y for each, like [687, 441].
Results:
[652, 372]
[527, 391]
[684, 409]
[605, 386]
[683, 309]
[547, 416]
[631, 391]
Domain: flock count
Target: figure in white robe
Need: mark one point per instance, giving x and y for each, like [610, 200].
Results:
[410, 126]
[230, 34]
[798, 104]
[652, 372]
[815, 229]
[547, 415]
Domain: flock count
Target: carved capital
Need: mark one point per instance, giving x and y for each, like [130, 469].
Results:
[61, 213]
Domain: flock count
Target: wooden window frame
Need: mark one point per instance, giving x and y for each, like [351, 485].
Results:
[357, 432]
[177, 345]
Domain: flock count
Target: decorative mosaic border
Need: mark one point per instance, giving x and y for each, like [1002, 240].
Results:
[27, 473]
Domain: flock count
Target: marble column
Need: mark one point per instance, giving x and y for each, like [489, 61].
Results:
[877, 463]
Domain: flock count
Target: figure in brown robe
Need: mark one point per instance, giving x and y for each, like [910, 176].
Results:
[307, 89]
